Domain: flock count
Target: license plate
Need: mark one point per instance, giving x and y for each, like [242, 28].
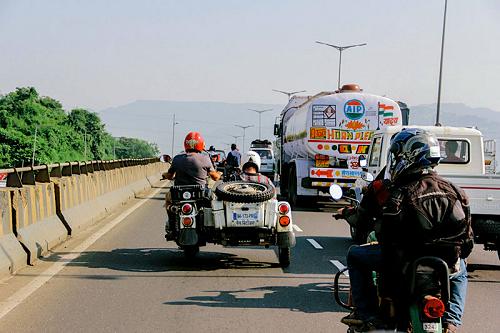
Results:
[245, 218]
[430, 327]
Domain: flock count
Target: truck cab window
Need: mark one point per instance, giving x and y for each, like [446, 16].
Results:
[454, 151]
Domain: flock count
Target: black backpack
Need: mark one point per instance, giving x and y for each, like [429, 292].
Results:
[231, 160]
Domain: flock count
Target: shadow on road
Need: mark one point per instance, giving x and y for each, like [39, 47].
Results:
[159, 260]
[308, 298]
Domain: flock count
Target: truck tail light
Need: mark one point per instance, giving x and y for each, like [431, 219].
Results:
[187, 209]
[433, 307]
[283, 208]
[187, 221]
[284, 221]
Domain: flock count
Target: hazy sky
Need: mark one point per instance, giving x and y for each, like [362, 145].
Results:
[98, 54]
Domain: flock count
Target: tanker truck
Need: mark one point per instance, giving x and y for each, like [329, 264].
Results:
[322, 139]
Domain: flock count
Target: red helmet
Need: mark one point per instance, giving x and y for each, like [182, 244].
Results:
[194, 141]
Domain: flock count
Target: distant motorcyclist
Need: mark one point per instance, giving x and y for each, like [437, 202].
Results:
[424, 214]
[233, 157]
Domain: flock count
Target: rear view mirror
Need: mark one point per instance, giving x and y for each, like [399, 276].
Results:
[277, 129]
[335, 192]
[368, 177]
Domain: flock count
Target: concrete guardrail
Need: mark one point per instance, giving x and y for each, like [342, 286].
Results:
[44, 205]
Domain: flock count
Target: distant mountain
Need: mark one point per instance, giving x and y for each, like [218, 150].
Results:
[152, 120]
[457, 114]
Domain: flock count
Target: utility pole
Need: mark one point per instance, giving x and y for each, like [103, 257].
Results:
[34, 148]
[289, 94]
[85, 144]
[340, 49]
[244, 129]
[260, 112]
[173, 135]
[438, 108]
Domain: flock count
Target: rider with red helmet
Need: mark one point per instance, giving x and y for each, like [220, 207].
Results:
[192, 167]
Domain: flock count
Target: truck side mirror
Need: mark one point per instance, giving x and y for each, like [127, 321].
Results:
[277, 129]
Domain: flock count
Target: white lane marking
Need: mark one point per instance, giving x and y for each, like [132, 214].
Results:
[315, 244]
[22, 294]
[296, 228]
[340, 266]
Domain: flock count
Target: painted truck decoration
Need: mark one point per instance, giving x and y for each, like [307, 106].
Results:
[323, 137]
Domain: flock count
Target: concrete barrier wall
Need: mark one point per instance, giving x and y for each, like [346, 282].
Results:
[12, 255]
[37, 217]
[38, 227]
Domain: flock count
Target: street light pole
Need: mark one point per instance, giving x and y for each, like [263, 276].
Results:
[34, 148]
[340, 49]
[289, 94]
[438, 108]
[173, 135]
[244, 129]
[260, 112]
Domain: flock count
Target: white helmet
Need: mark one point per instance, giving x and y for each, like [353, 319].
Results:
[250, 157]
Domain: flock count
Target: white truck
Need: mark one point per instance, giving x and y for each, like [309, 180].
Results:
[321, 138]
[463, 163]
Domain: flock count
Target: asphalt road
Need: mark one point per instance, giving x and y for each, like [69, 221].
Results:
[131, 280]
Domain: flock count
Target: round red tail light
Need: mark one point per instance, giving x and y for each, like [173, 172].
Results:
[283, 208]
[187, 221]
[433, 307]
[284, 221]
[187, 209]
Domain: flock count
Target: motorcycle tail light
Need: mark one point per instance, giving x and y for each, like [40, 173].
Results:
[187, 209]
[283, 208]
[284, 221]
[433, 307]
[187, 221]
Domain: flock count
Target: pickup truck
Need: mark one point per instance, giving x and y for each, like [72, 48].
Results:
[463, 163]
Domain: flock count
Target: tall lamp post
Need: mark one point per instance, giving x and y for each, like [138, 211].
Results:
[173, 134]
[235, 138]
[289, 94]
[260, 112]
[244, 129]
[340, 49]
[438, 108]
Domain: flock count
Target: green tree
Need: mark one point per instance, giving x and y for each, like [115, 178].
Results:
[60, 136]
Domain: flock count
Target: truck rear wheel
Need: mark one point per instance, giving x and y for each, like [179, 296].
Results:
[292, 188]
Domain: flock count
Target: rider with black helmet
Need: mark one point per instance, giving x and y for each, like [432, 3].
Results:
[421, 211]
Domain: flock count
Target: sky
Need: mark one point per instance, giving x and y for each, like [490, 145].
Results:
[100, 54]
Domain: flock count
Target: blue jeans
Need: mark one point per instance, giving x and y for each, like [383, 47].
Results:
[363, 260]
[458, 291]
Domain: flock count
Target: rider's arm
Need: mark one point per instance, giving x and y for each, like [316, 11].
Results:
[170, 174]
[215, 175]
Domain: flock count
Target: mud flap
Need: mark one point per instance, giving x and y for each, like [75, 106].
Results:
[188, 236]
[286, 239]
